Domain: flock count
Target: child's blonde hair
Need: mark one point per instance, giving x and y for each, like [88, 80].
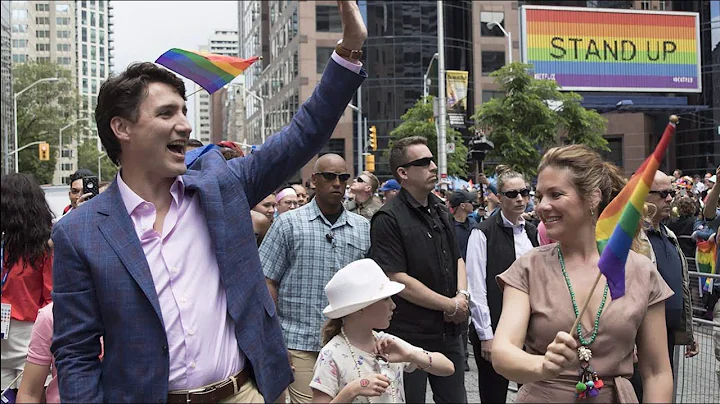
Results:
[330, 329]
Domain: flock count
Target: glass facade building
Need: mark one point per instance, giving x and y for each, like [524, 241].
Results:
[402, 39]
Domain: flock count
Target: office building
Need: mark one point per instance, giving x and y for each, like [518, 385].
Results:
[633, 130]
[295, 40]
[210, 113]
[78, 36]
[6, 90]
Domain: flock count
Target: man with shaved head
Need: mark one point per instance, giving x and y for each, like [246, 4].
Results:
[300, 253]
[667, 255]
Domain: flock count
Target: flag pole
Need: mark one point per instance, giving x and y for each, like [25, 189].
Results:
[585, 306]
[194, 92]
[673, 120]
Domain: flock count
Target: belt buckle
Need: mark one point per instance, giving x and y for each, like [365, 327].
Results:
[189, 392]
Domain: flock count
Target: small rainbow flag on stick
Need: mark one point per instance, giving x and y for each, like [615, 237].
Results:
[619, 221]
[208, 70]
[705, 257]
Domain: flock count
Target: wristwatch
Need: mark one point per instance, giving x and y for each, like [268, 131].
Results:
[347, 53]
[465, 293]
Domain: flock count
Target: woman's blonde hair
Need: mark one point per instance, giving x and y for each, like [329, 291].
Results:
[649, 211]
[330, 329]
[505, 173]
[588, 172]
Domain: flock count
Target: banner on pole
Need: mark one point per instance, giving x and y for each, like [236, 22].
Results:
[457, 91]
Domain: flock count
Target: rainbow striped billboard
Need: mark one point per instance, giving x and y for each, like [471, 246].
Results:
[586, 49]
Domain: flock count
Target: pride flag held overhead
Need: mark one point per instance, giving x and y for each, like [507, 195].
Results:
[619, 221]
[706, 258]
[208, 70]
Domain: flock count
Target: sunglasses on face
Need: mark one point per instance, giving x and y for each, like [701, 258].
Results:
[359, 179]
[664, 193]
[423, 162]
[331, 176]
[513, 194]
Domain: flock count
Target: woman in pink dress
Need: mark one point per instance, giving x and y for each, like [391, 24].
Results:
[544, 289]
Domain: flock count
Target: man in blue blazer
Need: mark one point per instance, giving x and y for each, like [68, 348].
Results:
[164, 265]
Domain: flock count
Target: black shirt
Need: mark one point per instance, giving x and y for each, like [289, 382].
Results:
[669, 264]
[420, 241]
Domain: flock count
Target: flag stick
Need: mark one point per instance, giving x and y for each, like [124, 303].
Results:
[194, 92]
[585, 306]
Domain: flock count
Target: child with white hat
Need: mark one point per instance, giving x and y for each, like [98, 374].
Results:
[357, 361]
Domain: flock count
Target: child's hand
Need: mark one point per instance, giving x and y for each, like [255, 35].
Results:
[392, 351]
[370, 386]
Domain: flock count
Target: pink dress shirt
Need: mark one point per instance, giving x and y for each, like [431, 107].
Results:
[201, 336]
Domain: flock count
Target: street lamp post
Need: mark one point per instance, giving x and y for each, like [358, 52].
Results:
[508, 35]
[100, 166]
[442, 96]
[426, 85]
[15, 130]
[60, 139]
[262, 106]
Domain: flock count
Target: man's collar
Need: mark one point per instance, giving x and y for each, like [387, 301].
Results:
[133, 200]
[432, 199]
[315, 213]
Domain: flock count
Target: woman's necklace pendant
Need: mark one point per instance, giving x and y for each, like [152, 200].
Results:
[589, 384]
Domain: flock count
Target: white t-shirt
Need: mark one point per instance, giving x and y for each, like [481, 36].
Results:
[334, 369]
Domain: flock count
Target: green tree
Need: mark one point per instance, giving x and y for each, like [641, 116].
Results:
[41, 112]
[88, 158]
[533, 116]
[419, 121]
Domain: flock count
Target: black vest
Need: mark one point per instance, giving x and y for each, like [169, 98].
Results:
[431, 254]
[501, 242]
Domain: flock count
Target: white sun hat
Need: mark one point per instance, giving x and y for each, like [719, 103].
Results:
[356, 286]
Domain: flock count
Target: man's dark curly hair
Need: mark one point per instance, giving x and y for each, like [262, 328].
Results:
[26, 220]
[80, 174]
[122, 95]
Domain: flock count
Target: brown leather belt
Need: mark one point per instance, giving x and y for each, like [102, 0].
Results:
[212, 393]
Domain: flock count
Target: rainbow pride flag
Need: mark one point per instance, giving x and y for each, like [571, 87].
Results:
[587, 49]
[619, 221]
[208, 70]
[706, 259]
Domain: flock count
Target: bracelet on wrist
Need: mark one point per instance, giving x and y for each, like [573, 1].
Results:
[429, 359]
[457, 307]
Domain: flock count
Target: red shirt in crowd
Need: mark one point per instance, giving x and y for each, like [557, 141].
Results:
[27, 288]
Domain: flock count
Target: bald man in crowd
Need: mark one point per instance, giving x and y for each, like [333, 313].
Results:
[302, 250]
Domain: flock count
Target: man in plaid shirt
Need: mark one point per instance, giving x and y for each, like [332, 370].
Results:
[304, 248]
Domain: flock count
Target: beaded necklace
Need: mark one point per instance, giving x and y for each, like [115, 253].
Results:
[589, 384]
[384, 370]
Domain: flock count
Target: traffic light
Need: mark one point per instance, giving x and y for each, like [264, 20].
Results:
[373, 138]
[370, 162]
[44, 151]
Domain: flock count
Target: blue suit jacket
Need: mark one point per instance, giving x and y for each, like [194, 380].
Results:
[103, 285]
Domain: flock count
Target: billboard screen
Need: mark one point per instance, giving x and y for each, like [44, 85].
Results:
[612, 50]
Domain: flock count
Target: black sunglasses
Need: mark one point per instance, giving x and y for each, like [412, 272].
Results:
[664, 193]
[513, 194]
[331, 176]
[359, 179]
[423, 162]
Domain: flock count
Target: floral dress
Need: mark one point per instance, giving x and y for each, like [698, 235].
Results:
[334, 369]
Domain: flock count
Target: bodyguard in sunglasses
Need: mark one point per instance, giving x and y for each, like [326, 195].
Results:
[493, 246]
[413, 240]
[301, 252]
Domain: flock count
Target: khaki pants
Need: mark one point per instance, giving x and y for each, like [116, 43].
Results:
[303, 362]
[248, 393]
[14, 352]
